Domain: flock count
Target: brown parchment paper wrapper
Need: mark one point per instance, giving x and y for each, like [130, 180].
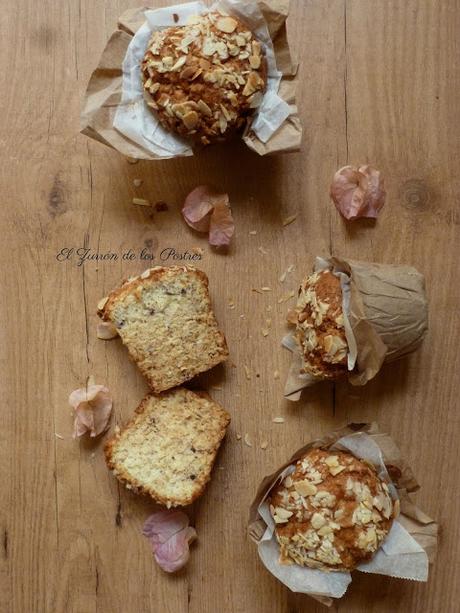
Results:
[104, 91]
[386, 317]
[412, 525]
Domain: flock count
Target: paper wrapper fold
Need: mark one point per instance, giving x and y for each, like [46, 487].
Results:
[115, 114]
[408, 548]
[386, 317]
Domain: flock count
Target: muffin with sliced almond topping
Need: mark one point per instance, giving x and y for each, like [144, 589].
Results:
[320, 332]
[203, 80]
[332, 513]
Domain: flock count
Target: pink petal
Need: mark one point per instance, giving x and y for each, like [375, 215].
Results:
[170, 536]
[93, 407]
[358, 192]
[207, 210]
[175, 553]
[164, 524]
[222, 226]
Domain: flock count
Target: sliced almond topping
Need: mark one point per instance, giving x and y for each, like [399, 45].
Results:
[179, 63]
[282, 514]
[332, 460]
[254, 61]
[335, 470]
[190, 119]
[204, 108]
[305, 488]
[226, 24]
[318, 521]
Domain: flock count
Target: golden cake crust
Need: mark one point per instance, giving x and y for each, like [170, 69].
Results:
[320, 332]
[332, 513]
[205, 78]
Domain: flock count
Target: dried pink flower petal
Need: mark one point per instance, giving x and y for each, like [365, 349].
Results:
[358, 192]
[206, 210]
[170, 536]
[93, 407]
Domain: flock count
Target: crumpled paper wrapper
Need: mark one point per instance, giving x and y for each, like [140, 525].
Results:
[115, 112]
[409, 547]
[385, 317]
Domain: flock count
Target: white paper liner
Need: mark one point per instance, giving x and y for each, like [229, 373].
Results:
[135, 120]
[399, 556]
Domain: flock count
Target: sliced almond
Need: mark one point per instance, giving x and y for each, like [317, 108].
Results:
[190, 119]
[204, 108]
[179, 63]
[318, 521]
[305, 488]
[226, 24]
[283, 514]
[254, 61]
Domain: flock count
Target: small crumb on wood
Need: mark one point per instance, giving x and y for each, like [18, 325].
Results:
[247, 372]
[263, 251]
[58, 436]
[264, 332]
[289, 220]
[132, 160]
[276, 374]
[137, 182]
[257, 291]
[278, 420]
[247, 440]
[238, 437]
[266, 289]
[264, 444]
[253, 232]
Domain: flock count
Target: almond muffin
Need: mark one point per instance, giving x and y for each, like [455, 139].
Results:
[320, 332]
[332, 513]
[205, 78]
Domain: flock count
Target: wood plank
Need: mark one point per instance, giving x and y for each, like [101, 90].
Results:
[379, 82]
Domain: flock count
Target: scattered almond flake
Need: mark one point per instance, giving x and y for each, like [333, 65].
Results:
[137, 182]
[93, 455]
[286, 297]
[132, 160]
[242, 316]
[253, 232]
[238, 437]
[264, 332]
[278, 420]
[217, 388]
[58, 436]
[266, 289]
[208, 211]
[264, 444]
[141, 201]
[263, 251]
[247, 440]
[247, 372]
[269, 307]
[276, 374]
[291, 268]
[254, 289]
[289, 219]
[231, 304]
[282, 277]
[268, 322]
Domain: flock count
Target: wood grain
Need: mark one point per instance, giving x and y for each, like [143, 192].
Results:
[379, 83]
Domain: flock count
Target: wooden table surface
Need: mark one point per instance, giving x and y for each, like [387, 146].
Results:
[379, 82]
